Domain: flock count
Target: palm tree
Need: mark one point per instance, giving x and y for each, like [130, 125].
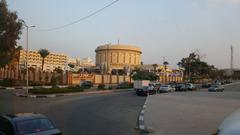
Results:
[14, 63]
[155, 67]
[165, 63]
[43, 53]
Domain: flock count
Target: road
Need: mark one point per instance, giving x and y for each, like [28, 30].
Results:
[95, 114]
[191, 113]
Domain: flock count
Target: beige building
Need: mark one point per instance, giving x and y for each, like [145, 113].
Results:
[166, 74]
[52, 61]
[118, 56]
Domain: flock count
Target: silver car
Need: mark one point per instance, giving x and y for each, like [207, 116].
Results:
[216, 88]
[166, 88]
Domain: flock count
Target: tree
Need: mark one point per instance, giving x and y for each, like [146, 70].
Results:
[10, 31]
[165, 63]
[43, 53]
[196, 69]
[144, 75]
[155, 67]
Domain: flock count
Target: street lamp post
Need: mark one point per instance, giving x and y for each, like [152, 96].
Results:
[27, 27]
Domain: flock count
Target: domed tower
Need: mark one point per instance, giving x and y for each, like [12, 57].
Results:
[118, 56]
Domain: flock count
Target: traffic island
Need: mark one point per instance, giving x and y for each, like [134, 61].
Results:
[58, 92]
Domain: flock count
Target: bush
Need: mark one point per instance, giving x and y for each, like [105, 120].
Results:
[125, 85]
[101, 86]
[6, 82]
[110, 88]
[35, 83]
[53, 81]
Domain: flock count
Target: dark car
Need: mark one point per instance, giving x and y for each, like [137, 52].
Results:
[216, 88]
[86, 84]
[27, 124]
[181, 87]
[228, 81]
[145, 91]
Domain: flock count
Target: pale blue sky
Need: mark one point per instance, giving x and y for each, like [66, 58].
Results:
[171, 28]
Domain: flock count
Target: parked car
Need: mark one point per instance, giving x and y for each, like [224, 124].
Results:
[228, 81]
[181, 87]
[86, 84]
[206, 85]
[230, 125]
[145, 90]
[27, 123]
[166, 88]
[216, 88]
[190, 86]
[124, 85]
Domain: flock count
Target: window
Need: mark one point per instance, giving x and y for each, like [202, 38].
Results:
[33, 126]
[5, 127]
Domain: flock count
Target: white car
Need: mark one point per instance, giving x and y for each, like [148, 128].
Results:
[166, 88]
[190, 86]
[230, 126]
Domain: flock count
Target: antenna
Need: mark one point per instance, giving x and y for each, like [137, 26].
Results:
[118, 41]
[164, 58]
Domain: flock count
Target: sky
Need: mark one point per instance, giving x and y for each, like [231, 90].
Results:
[170, 28]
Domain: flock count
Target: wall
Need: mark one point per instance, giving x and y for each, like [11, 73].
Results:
[34, 76]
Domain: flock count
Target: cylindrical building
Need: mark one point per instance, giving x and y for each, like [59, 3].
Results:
[118, 56]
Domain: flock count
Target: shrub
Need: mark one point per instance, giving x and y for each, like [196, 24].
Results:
[101, 86]
[6, 82]
[125, 85]
[53, 81]
[55, 90]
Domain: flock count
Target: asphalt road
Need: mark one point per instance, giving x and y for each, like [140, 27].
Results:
[191, 113]
[95, 114]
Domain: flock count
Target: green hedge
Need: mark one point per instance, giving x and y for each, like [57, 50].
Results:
[6, 82]
[55, 90]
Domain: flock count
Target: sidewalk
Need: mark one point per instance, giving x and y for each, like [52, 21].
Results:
[186, 113]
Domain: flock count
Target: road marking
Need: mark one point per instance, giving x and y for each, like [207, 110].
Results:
[142, 127]
[141, 118]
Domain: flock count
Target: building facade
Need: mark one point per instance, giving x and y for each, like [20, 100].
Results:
[52, 61]
[87, 62]
[118, 56]
[165, 73]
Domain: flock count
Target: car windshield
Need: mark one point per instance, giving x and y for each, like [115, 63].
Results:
[33, 126]
[215, 86]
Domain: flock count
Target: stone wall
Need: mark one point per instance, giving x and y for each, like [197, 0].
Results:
[38, 77]
[75, 79]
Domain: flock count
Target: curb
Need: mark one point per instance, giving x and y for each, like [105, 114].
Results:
[141, 126]
[141, 117]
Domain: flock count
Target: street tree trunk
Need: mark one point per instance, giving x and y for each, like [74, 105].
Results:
[42, 63]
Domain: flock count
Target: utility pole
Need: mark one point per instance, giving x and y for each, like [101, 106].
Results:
[231, 63]
[27, 27]
[107, 65]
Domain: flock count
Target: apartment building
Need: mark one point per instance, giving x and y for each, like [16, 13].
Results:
[52, 61]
